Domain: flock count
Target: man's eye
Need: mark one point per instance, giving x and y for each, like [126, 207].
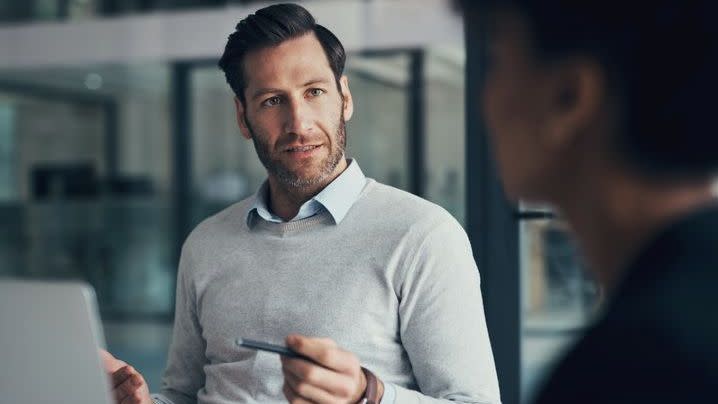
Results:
[269, 102]
[314, 92]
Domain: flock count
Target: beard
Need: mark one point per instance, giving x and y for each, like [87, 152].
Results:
[292, 178]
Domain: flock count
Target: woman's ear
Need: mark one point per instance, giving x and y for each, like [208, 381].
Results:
[576, 96]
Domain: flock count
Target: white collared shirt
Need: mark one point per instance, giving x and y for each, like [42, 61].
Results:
[336, 198]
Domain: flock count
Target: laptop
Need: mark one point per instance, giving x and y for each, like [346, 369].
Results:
[49, 340]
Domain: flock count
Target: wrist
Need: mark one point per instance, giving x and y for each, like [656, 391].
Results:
[374, 388]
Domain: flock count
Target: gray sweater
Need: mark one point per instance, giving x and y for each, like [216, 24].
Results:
[394, 282]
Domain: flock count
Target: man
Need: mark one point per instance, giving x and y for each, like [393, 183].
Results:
[321, 256]
[605, 109]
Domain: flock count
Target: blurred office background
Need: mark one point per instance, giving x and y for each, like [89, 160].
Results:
[117, 136]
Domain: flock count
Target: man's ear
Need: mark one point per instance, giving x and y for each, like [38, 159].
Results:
[241, 118]
[347, 96]
[576, 99]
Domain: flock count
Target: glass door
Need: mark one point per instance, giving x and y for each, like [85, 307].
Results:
[558, 296]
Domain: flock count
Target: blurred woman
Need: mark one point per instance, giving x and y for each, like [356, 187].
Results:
[605, 109]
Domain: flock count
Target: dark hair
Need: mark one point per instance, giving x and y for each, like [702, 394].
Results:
[268, 27]
[661, 57]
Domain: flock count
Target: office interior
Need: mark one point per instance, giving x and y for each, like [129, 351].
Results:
[118, 135]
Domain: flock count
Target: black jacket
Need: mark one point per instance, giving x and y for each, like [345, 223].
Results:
[658, 339]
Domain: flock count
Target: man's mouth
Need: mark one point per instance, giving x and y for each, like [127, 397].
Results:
[304, 148]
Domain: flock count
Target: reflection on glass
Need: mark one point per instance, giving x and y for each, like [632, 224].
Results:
[82, 198]
[7, 146]
[377, 135]
[559, 298]
[445, 129]
[225, 168]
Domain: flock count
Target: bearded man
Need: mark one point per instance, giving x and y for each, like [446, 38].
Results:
[319, 251]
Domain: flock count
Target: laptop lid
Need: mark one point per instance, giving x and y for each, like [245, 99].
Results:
[49, 339]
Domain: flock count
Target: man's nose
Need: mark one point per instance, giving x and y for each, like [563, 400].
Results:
[298, 118]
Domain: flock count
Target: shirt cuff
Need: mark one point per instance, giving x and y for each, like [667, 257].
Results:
[389, 396]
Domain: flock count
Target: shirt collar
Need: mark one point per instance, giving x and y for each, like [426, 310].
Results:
[337, 197]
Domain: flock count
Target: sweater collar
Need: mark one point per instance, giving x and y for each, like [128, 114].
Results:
[336, 198]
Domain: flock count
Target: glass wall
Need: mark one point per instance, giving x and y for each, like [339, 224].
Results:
[445, 129]
[85, 187]
[224, 167]
[559, 297]
[85, 182]
[377, 135]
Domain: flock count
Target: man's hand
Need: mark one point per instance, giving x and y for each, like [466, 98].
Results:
[339, 379]
[128, 385]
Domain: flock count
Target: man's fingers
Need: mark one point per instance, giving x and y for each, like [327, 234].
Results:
[127, 385]
[134, 398]
[122, 374]
[131, 386]
[299, 370]
[325, 352]
[109, 362]
[106, 356]
[292, 396]
[334, 370]
[308, 390]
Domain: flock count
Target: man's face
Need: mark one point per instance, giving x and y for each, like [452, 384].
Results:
[294, 112]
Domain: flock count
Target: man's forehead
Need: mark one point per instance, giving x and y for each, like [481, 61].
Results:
[298, 59]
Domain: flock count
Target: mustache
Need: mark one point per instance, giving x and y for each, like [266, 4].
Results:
[293, 139]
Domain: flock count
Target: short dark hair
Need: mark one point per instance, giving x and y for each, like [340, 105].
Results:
[268, 27]
[661, 57]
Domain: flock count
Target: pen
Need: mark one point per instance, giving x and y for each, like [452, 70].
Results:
[267, 347]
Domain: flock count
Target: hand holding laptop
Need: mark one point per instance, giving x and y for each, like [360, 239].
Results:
[128, 385]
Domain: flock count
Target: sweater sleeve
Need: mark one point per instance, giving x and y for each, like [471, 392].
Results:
[442, 323]
[184, 375]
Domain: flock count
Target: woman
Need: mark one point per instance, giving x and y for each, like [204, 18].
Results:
[604, 109]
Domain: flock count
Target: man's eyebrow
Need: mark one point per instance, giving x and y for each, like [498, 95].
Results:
[314, 81]
[261, 91]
